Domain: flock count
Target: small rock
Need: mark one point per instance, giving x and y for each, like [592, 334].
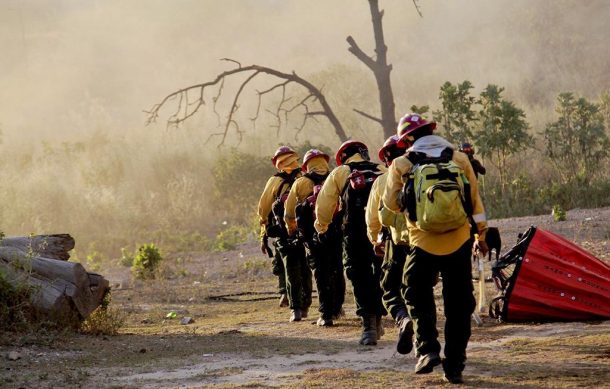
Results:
[142, 350]
[191, 299]
[187, 320]
[13, 356]
[196, 282]
[146, 321]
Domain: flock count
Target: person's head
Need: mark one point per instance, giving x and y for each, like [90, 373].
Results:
[413, 126]
[348, 149]
[391, 149]
[315, 158]
[285, 159]
[467, 149]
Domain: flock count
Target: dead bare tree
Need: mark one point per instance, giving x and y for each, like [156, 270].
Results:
[381, 69]
[191, 98]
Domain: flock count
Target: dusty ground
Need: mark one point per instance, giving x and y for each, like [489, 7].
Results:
[246, 341]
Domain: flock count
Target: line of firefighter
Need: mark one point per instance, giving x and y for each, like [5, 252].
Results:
[346, 219]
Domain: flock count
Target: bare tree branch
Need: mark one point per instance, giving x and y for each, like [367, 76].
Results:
[366, 115]
[232, 60]
[187, 109]
[417, 8]
[361, 55]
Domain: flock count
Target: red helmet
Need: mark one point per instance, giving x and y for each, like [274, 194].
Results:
[390, 149]
[311, 154]
[349, 148]
[411, 122]
[467, 148]
[281, 151]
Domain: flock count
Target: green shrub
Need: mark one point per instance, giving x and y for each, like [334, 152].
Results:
[126, 257]
[229, 238]
[255, 267]
[146, 261]
[105, 320]
[15, 307]
[559, 214]
[94, 261]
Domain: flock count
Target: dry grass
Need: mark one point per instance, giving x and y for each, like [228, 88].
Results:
[245, 340]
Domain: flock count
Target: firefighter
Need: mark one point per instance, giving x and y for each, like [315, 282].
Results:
[447, 252]
[287, 254]
[350, 184]
[324, 259]
[396, 246]
[477, 166]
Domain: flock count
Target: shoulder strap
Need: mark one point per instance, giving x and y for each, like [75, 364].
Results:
[287, 179]
[316, 178]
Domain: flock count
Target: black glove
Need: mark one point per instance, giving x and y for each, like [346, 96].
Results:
[265, 249]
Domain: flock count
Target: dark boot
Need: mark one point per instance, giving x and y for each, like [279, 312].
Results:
[369, 330]
[427, 362]
[379, 325]
[452, 374]
[405, 336]
[322, 322]
[296, 315]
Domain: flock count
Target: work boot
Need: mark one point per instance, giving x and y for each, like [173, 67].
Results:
[369, 330]
[339, 314]
[283, 300]
[322, 322]
[295, 315]
[452, 375]
[405, 336]
[379, 325]
[427, 362]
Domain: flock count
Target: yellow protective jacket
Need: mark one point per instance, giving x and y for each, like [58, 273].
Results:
[328, 198]
[268, 197]
[436, 243]
[301, 189]
[375, 219]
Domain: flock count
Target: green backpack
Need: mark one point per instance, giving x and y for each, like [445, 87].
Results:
[436, 195]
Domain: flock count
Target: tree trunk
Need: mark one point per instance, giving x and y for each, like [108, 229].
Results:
[61, 290]
[381, 69]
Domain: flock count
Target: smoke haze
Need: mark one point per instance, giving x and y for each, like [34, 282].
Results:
[76, 76]
[70, 67]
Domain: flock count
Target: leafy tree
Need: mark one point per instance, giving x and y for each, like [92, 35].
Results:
[422, 109]
[502, 130]
[456, 116]
[577, 142]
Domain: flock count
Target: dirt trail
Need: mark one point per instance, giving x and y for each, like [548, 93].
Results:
[246, 340]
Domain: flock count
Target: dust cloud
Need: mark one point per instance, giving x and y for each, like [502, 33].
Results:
[70, 67]
[76, 77]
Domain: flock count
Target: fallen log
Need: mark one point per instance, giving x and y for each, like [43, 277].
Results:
[60, 290]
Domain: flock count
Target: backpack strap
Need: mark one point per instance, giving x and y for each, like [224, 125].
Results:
[287, 179]
[317, 178]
